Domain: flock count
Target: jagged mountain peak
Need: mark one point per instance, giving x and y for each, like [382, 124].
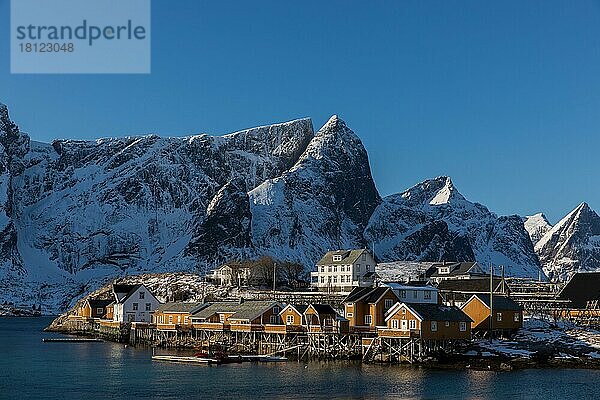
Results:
[432, 221]
[433, 192]
[572, 245]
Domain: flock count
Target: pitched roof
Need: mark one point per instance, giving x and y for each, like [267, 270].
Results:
[348, 257]
[499, 302]
[438, 312]
[410, 286]
[457, 268]
[366, 294]
[181, 307]
[323, 309]
[300, 308]
[581, 288]
[249, 309]
[95, 303]
[480, 285]
[122, 292]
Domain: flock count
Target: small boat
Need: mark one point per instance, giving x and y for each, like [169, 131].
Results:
[70, 340]
[188, 360]
[254, 358]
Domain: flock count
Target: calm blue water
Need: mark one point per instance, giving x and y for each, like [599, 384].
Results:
[32, 369]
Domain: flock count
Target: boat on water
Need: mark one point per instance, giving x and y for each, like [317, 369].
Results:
[201, 358]
[187, 359]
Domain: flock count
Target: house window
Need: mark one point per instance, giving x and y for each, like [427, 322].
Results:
[367, 268]
[394, 324]
[222, 318]
[335, 268]
[170, 319]
[358, 267]
[135, 306]
[388, 303]
[433, 326]
[142, 294]
[415, 294]
[427, 295]
[447, 324]
[364, 257]
[276, 310]
[322, 279]
[273, 319]
[412, 324]
[100, 310]
[148, 306]
[329, 268]
[517, 317]
[186, 320]
[463, 326]
[289, 319]
[499, 316]
[337, 257]
[349, 315]
[404, 311]
[322, 269]
[403, 294]
[335, 279]
[368, 319]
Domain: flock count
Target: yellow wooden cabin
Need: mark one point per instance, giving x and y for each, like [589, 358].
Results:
[175, 315]
[426, 321]
[365, 308]
[507, 314]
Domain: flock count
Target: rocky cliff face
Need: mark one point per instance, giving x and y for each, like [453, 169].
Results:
[323, 202]
[432, 221]
[572, 245]
[536, 225]
[76, 213]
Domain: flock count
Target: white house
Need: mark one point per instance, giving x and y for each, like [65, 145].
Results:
[133, 303]
[232, 274]
[414, 292]
[343, 270]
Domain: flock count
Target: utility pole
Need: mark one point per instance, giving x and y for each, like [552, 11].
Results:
[274, 276]
[491, 300]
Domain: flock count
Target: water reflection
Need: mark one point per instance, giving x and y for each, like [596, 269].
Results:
[32, 369]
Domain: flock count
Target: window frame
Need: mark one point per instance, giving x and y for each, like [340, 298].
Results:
[434, 326]
[368, 319]
[462, 326]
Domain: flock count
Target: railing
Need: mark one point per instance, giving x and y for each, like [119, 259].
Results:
[276, 328]
[212, 326]
[247, 327]
[389, 332]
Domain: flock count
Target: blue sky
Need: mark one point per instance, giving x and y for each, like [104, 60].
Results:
[503, 97]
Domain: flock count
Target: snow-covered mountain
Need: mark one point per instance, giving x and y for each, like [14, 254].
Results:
[571, 245]
[433, 221]
[536, 225]
[77, 213]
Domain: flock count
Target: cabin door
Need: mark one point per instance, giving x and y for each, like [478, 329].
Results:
[404, 325]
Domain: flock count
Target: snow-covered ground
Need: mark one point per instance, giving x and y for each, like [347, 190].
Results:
[559, 340]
